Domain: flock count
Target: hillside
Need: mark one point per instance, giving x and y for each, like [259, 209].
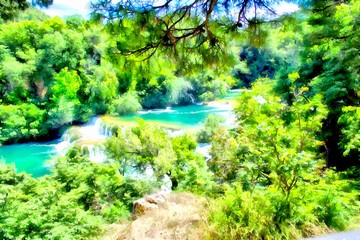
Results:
[179, 217]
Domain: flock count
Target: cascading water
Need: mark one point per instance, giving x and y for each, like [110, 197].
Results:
[88, 135]
[93, 130]
[63, 146]
[106, 130]
[96, 153]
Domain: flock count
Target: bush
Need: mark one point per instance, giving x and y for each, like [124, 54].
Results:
[249, 215]
[211, 124]
[127, 103]
[207, 96]
[267, 213]
[20, 122]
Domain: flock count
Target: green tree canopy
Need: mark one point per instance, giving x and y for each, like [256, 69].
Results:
[9, 8]
[330, 67]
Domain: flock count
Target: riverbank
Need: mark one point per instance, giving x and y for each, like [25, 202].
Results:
[33, 157]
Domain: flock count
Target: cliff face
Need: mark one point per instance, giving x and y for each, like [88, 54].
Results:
[166, 216]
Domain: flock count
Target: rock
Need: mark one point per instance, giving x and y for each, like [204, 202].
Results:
[148, 203]
[157, 198]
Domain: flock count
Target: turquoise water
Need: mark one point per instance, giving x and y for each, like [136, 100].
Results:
[28, 157]
[32, 157]
[187, 116]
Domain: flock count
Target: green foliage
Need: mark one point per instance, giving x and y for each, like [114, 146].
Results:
[99, 187]
[74, 202]
[66, 84]
[209, 85]
[102, 88]
[351, 130]
[142, 147]
[180, 92]
[249, 215]
[223, 162]
[31, 13]
[330, 67]
[71, 69]
[210, 126]
[189, 171]
[261, 62]
[63, 113]
[267, 175]
[10, 8]
[264, 213]
[40, 209]
[280, 140]
[276, 190]
[128, 103]
[154, 92]
[147, 147]
[56, 67]
[20, 122]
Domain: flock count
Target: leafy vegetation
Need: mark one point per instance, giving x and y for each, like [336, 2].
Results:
[69, 70]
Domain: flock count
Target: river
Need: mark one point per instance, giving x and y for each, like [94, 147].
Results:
[33, 157]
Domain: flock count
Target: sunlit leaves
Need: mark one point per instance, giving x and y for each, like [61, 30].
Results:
[22, 121]
[280, 140]
[350, 119]
[140, 148]
[331, 68]
[67, 84]
[125, 104]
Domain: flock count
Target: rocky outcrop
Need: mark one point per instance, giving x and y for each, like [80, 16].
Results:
[148, 203]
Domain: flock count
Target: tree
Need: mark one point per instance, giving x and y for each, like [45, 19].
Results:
[20, 122]
[168, 23]
[262, 62]
[145, 147]
[125, 104]
[8, 9]
[189, 171]
[102, 88]
[74, 202]
[140, 148]
[330, 67]
[272, 161]
[210, 127]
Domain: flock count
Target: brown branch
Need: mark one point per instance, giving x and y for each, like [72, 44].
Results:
[269, 9]
[316, 10]
[242, 10]
[265, 175]
[165, 5]
[172, 31]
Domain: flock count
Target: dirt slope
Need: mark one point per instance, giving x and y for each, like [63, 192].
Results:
[182, 216]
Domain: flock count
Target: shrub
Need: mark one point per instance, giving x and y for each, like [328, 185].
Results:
[127, 103]
[211, 124]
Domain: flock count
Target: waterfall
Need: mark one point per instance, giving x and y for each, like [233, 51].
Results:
[87, 135]
[93, 130]
[191, 97]
[96, 153]
[63, 146]
[107, 130]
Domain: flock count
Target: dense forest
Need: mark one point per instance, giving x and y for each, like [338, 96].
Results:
[288, 168]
